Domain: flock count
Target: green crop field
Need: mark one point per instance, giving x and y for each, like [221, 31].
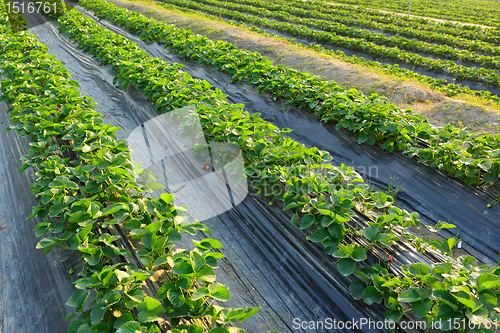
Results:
[93, 199]
[482, 12]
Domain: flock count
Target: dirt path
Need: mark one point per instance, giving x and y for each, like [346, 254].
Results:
[406, 94]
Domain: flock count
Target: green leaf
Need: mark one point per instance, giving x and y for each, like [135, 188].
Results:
[327, 212]
[206, 273]
[243, 314]
[467, 302]
[111, 298]
[161, 260]
[370, 232]
[438, 270]
[124, 318]
[48, 243]
[371, 295]
[135, 295]
[307, 221]
[93, 259]
[326, 221]
[468, 262]
[362, 138]
[346, 266]
[107, 238]
[219, 330]
[155, 186]
[71, 315]
[440, 225]
[487, 281]
[384, 239]
[176, 297]
[490, 177]
[152, 305]
[319, 236]
[391, 283]
[421, 308]
[184, 283]
[130, 327]
[359, 253]
[103, 165]
[115, 209]
[96, 315]
[409, 296]
[182, 269]
[378, 282]
[221, 293]
[200, 293]
[23, 167]
[336, 230]
[424, 293]
[167, 197]
[84, 328]
[33, 213]
[56, 209]
[210, 242]
[291, 205]
[187, 78]
[393, 316]
[419, 269]
[41, 228]
[78, 299]
[149, 241]
[356, 289]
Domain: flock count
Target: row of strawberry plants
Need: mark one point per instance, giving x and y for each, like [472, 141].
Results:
[475, 45]
[485, 75]
[481, 12]
[440, 85]
[323, 198]
[87, 187]
[381, 13]
[443, 51]
[459, 153]
[469, 32]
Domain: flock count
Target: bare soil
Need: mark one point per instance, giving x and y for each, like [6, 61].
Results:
[406, 94]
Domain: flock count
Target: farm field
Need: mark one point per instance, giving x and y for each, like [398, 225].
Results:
[484, 13]
[418, 55]
[220, 178]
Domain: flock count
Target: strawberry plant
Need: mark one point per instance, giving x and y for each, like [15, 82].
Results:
[449, 89]
[324, 23]
[372, 118]
[489, 76]
[475, 12]
[468, 37]
[87, 188]
[322, 198]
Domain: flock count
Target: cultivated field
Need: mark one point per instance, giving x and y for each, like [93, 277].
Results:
[244, 165]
